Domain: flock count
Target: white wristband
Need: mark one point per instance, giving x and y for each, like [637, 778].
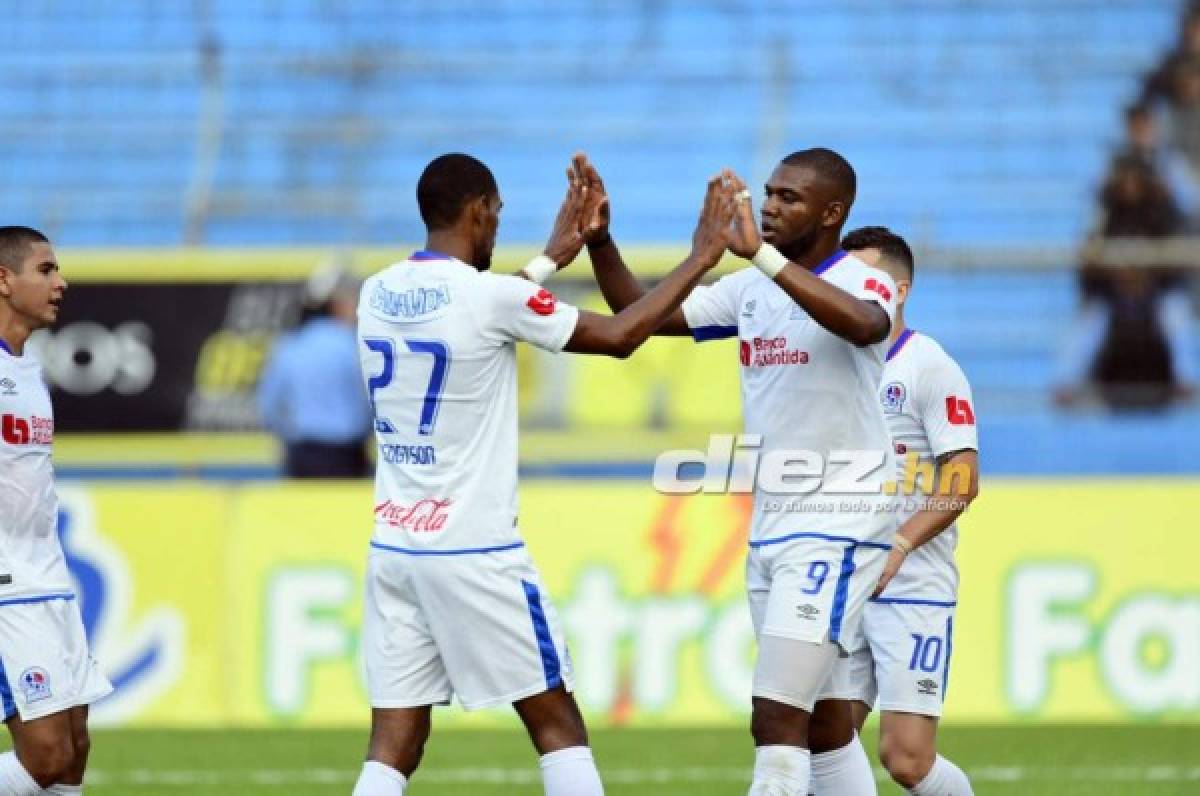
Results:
[769, 260]
[540, 268]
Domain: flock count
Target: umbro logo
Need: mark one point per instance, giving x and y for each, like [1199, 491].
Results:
[8, 386]
[808, 611]
[927, 687]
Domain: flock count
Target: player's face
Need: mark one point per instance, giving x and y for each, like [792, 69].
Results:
[798, 205]
[489, 225]
[35, 290]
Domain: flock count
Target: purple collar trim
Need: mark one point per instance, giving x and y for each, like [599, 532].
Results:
[829, 262]
[425, 256]
[900, 341]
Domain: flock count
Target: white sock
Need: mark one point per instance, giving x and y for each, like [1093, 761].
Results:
[63, 790]
[780, 771]
[571, 772]
[944, 779]
[377, 779]
[14, 779]
[843, 772]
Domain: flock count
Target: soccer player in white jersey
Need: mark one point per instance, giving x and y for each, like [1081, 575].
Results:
[454, 605]
[812, 323]
[908, 625]
[47, 676]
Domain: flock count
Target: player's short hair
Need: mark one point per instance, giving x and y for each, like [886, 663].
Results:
[832, 167]
[448, 183]
[895, 249]
[14, 245]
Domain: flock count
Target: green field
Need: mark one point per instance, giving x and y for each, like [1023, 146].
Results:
[1028, 760]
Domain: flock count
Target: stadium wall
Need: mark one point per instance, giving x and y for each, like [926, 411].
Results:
[220, 605]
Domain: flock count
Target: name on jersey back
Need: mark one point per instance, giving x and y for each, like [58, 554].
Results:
[417, 302]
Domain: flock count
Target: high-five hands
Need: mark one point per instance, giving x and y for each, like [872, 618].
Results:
[583, 216]
[745, 238]
[715, 226]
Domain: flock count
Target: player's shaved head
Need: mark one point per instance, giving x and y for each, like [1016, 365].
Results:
[831, 167]
[448, 184]
[895, 255]
[15, 242]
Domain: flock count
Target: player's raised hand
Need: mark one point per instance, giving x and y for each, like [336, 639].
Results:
[712, 230]
[596, 210]
[566, 238]
[744, 238]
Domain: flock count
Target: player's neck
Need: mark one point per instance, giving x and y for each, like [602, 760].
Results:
[447, 242]
[816, 254]
[898, 326]
[13, 332]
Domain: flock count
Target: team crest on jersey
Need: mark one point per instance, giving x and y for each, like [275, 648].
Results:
[8, 386]
[748, 310]
[35, 682]
[892, 397]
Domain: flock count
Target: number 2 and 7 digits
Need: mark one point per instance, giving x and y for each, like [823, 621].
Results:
[386, 347]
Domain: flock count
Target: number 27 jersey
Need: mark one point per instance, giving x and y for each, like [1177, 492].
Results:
[437, 345]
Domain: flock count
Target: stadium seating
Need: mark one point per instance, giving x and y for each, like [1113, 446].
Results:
[970, 123]
[978, 126]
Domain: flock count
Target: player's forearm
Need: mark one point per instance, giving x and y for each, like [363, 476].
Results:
[953, 498]
[643, 317]
[927, 523]
[850, 318]
[618, 285]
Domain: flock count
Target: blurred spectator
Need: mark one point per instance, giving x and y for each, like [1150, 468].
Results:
[1144, 141]
[311, 393]
[1133, 338]
[1161, 83]
[1185, 112]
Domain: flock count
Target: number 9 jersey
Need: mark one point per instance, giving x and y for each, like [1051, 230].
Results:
[436, 342]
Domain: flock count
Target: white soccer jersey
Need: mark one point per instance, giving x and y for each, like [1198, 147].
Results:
[805, 389]
[437, 347]
[927, 402]
[32, 565]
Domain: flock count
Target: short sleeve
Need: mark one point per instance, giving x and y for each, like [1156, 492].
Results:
[515, 309]
[711, 310]
[947, 407]
[875, 285]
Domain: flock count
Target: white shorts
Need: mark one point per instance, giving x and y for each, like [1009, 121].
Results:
[903, 662]
[813, 588]
[478, 626]
[45, 665]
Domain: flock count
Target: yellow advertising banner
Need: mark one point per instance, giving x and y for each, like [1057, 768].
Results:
[241, 605]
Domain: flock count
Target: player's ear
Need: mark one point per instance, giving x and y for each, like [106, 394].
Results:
[6, 277]
[902, 288]
[835, 214]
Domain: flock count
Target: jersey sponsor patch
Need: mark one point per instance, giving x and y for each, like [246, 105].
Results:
[892, 397]
[875, 286]
[35, 683]
[424, 516]
[763, 352]
[958, 411]
[542, 302]
[27, 430]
